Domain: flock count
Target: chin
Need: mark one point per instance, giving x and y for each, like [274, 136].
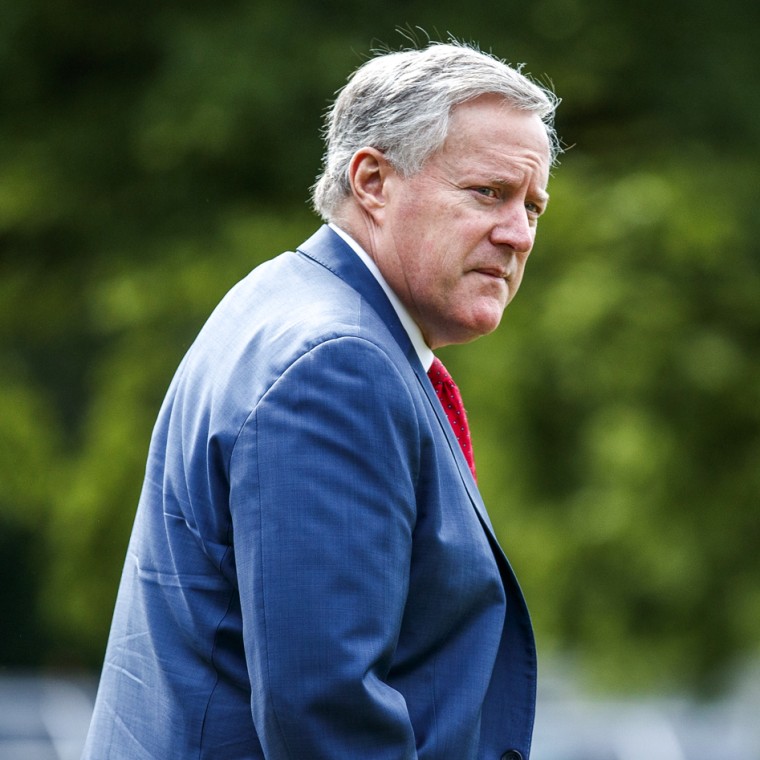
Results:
[487, 321]
[465, 327]
[466, 333]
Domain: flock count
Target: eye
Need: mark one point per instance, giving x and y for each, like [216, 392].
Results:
[534, 209]
[486, 192]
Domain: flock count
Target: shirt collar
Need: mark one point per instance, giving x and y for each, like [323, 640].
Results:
[412, 328]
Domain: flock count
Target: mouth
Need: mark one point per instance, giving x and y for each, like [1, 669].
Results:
[496, 273]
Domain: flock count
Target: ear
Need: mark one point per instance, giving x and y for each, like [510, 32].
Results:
[368, 173]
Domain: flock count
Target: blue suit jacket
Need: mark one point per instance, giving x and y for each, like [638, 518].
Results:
[312, 572]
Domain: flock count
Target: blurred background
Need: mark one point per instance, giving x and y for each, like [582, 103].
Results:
[151, 154]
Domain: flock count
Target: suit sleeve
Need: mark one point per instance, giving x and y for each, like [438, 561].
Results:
[323, 505]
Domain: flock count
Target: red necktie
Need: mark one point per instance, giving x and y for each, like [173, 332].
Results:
[451, 400]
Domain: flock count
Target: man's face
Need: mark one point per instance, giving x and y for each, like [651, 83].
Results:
[454, 238]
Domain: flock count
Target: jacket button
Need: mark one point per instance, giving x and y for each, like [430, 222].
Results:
[512, 754]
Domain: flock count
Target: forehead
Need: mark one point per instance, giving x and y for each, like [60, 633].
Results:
[489, 133]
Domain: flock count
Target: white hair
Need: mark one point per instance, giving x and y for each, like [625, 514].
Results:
[400, 103]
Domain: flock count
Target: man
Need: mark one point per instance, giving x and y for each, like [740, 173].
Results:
[312, 572]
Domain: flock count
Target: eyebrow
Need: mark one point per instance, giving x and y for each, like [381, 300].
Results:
[541, 195]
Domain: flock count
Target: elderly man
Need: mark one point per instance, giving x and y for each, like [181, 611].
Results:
[312, 572]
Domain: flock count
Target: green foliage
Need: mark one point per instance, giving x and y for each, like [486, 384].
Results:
[620, 462]
[152, 154]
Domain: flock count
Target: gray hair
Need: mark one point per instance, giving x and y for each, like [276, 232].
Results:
[400, 103]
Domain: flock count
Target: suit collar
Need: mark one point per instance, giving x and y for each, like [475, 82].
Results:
[327, 248]
[412, 329]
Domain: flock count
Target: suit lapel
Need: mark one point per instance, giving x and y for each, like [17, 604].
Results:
[456, 451]
[329, 250]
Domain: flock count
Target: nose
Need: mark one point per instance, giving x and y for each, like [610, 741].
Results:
[514, 229]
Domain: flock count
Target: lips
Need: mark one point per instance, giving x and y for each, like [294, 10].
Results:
[498, 273]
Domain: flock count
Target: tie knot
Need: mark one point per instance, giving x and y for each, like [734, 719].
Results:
[438, 374]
